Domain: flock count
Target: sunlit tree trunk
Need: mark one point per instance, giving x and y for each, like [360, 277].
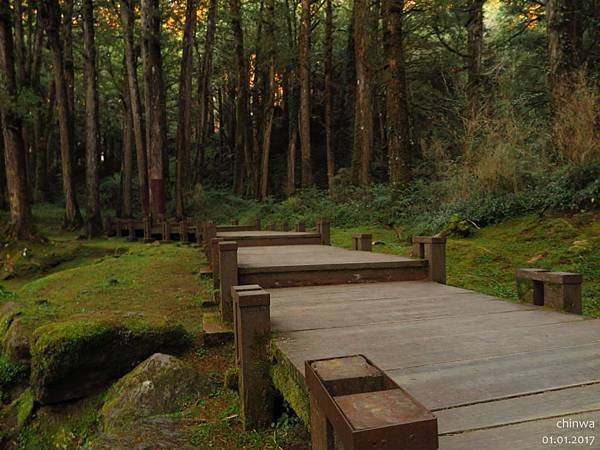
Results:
[92, 123]
[329, 92]
[398, 131]
[127, 21]
[157, 115]
[51, 13]
[363, 115]
[20, 226]
[184, 122]
[304, 63]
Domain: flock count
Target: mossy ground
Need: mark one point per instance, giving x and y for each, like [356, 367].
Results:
[486, 262]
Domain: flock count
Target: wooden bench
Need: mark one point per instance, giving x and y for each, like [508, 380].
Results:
[558, 290]
[355, 403]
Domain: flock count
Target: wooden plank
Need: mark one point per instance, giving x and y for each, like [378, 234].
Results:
[529, 408]
[458, 383]
[525, 436]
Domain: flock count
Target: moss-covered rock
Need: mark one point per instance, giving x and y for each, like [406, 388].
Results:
[15, 416]
[8, 312]
[72, 358]
[162, 384]
[16, 343]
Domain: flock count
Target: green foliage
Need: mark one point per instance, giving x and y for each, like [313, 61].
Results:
[10, 373]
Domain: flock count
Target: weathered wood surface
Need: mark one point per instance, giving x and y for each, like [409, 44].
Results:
[270, 238]
[305, 265]
[496, 373]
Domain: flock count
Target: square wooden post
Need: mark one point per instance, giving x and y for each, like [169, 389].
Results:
[184, 235]
[118, 229]
[285, 226]
[131, 231]
[433, 249]
[254, 337]
[108, 226]
[198, 234]
[563, 291]
[228, 277]
[301, 227]
[362, 242]
[235, 290]
[257, 224]
[324, 229]
[166, 231]
[214, 250]
[147, 229]
[208, 233]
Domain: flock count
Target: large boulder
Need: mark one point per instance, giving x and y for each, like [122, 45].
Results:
[160, 385]
[74, 357]
[16, 343]
[8, 312]
[15, 416]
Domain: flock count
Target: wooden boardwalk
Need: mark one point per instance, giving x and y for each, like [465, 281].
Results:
[498, 375]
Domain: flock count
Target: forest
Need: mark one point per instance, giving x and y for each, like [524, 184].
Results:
[476, 120]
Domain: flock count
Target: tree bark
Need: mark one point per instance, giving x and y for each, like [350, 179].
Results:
[329, 92]
[364, 120]
[204, 88]
[127, 20]
[20, 227]
[475, 32]
[19, 43]
[304, 63]
[92, 123]
[51, 14]
[184, 123]
[127, 164]
[68, 58]
[157, 115]
[398, 128]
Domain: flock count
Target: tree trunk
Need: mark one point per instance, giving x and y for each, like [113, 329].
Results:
[242, 119]
[155, 93]
[398, 128]
[68, 58]
[51, 14]
[127, 20]
[20, 227]
[269, 99]
[184, 123]
[92, 123]
[20, 51]
[127, 165]
[364, 120]
[304, 62]
[475, 32]
[204, 84]
[329, 92]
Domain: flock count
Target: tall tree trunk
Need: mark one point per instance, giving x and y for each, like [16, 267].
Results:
[151, 24]
[184, 123]
[92, 123]
[269, 99]
[127, 165]
[68, 57]
[46, 128]
[204, 88]
[475, 32]
[291, 109]
[20, 226]
[304, 62]
[242, 120]
[51, 14]
[329, 92]
[127, 21]
[364, 120]
[19, 42]
[398, 128]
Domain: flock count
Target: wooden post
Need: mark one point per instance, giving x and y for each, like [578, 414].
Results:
[258, 224]
[301, 227]
[228, 277]
[324, 229]
[214, 251]
[184, 236]
[235, 222]
[209, 232]
[118, 229]
[562, 290]
[147, 229]
[166, 234]
[198, 236]
[433, 249]
[235, 290]
[272, 227]
[254, 337]
[362, 242]
[285, 226]
[131, 231]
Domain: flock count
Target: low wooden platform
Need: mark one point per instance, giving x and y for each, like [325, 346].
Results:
[498, 375]
[257, 238]
[304, 265]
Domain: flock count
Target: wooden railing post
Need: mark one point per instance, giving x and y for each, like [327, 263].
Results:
[184, 235]
[433, 249]
[301, 227]
[131, 231]
[228, 277]
[235, 290]
[324, 229]
[118, 229]
[108, 226]
[147, 229]
[254, 337]
[166, 233]
[559, 290]
[258, 224]
[214, 252]
[362, 242]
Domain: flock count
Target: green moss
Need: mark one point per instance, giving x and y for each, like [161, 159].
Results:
[25, 408]
[292, 392]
